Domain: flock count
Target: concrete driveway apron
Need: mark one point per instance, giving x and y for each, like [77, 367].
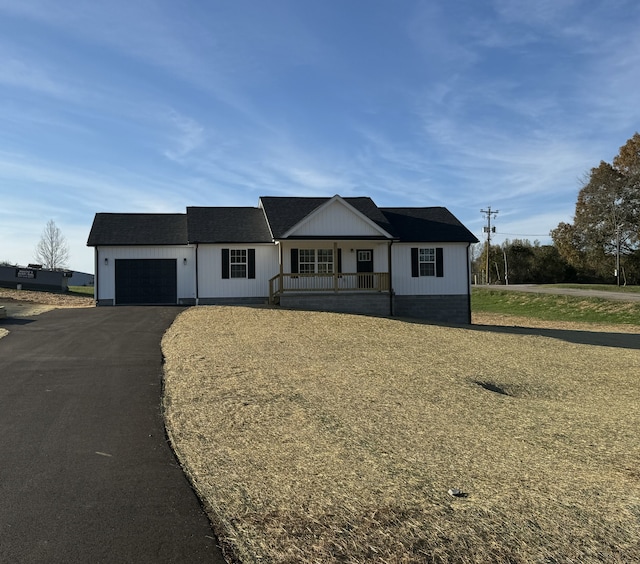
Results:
[86, 474]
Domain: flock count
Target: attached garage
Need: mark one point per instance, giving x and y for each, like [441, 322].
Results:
[146, 281]
[143, 259]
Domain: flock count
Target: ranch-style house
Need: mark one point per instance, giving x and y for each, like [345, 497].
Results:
[329, 254]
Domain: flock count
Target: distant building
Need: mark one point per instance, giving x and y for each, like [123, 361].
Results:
[28, 278]
[81, 279]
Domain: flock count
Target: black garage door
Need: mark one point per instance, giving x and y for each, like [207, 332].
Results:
[146, 281]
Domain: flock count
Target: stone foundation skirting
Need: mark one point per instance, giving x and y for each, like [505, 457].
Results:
[439, 309]
[372, 303]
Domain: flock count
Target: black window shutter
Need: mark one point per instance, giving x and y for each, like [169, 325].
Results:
[225, 263]
[294, 261]
[339, 261]
[251, 263]
[415, 269]
[439, 263]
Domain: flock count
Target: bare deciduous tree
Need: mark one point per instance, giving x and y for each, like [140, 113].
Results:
[52, 251]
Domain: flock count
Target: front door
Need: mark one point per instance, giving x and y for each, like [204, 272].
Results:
[364, 268]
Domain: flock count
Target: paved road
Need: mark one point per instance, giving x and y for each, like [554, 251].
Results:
[86, 474]
[622, 296]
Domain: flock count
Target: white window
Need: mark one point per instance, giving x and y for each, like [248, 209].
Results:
[238, 263]
[325, 261]
[312, 261]
[307, 262]
[427, 262]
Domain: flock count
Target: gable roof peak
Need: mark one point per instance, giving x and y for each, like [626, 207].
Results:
[285, 214]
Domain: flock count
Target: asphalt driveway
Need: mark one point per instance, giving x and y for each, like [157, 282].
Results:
[86, 474]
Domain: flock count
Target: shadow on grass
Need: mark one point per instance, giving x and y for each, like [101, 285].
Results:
[602, 339]
[597, 338]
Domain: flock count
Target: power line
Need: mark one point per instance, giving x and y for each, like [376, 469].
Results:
[522, 234]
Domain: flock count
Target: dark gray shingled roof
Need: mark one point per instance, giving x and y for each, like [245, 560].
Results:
[249, 225]
[285, 212]
[227, 225]
[428, 225]
[138, 229]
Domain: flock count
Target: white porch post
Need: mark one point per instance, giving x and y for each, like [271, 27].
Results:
[335, 266]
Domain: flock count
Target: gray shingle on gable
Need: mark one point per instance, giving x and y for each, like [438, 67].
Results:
[432, 224]
[251, 225]
[138, 229]
[227, 225]
[285, 212]
[367, 207]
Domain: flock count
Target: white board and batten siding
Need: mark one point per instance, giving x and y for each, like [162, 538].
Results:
[212, 285]
[333, 221]
[455, 264]
[186, 283]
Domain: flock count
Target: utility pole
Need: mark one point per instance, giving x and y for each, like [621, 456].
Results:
[617, 224]
[488, 230]
[618, 254]
[506, 267]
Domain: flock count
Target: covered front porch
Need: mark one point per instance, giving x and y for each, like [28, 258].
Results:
[343, 282]
[336, 267]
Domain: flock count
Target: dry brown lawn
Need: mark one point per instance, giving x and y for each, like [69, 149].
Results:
[317, 437]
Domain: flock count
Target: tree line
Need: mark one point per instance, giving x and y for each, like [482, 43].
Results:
[602, 245]
[521, 262]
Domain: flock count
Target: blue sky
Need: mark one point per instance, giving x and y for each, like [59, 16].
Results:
[152, 106]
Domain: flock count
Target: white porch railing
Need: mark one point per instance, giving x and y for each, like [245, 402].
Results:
[339, 282]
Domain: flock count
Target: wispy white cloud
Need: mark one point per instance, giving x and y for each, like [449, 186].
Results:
[112, 189]
[20, 73]
[190, 135]
[549, 14]
[227, 55]
[14, 115]
[436, 38]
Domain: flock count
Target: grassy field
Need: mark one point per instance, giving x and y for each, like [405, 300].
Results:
[84, 290]
[554, 307]
[599, 287]
[316, 437]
